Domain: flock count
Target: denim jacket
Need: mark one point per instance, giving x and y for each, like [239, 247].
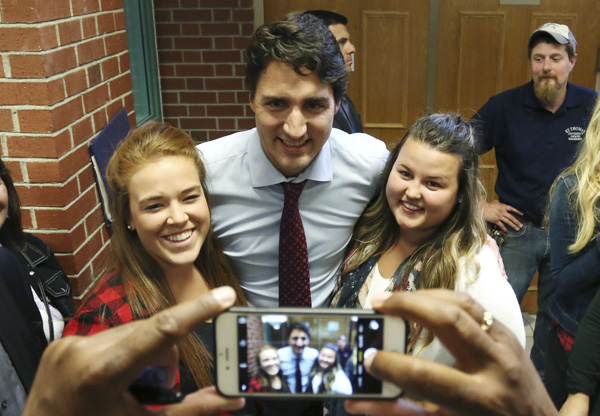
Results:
[576, 275]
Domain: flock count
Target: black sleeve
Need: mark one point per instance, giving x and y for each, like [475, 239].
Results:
[584, 361]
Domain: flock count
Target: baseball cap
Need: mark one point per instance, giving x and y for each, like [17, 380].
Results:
[561, 33]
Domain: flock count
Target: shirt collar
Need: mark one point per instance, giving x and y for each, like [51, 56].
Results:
[263, 173]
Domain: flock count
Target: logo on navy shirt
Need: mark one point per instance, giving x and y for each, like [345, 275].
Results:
[575, 133]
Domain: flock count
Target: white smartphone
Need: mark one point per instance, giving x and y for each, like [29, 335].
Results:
[303, 352]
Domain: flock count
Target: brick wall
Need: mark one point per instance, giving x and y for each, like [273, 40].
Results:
[201, 58]
[64, 72]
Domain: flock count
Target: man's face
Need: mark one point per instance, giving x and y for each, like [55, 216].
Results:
[298, 340]
[551, 67]
[343, 39]
[294, 116]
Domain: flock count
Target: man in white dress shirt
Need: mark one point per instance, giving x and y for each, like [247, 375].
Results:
[296, 77]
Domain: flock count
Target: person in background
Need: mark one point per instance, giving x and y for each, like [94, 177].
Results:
[163, 249]
[425, 230]
[346, 118]
[574, 227]
[344, 351]
[327, 375]
[534, 130]
[42, 271]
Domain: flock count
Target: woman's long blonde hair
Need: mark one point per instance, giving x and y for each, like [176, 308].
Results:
[144, 282]
[459, 238]
[584, 198]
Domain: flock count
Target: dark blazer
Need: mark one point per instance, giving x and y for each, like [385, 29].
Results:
[347, 118]
[21, 331]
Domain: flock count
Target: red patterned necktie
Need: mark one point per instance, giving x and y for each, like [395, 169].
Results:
[294, 277]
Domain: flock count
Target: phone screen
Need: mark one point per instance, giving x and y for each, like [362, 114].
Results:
[307, 353]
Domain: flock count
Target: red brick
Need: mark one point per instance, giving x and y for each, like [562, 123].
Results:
[94, 220]
[190, 15]
[27, 39]
[120, 85]
[67, 113]
[27, 66]
[124, 62]
[116, 43]
[90, 50]
[243, 15]
[223, 70]
[198, 123]
[198, 97]
[120, 20]
[223, 43]
[86, 177]
[2, 75]
[164, 4]
[85, 7]
[170, 57]
[60, 61]
[195, 56]
[113, 108]
[241, 43]
[192, 43]
[172, 83]
[63, 241]
[66, 218]
[106, 23]
[79, 284]
[242, 97]
[195, 84]
[35, 121]
[89, 27]
[225, 110]
[36, 146]
[223, 15]
[51, 196]
[88, 251]
[189, 70]
[226, 124]
[188, 4]
[164, 43]
[6, 121]
[227, 97]
[220, 84]
[31, 93]
[111, 4]
[58, 171]
[82, 130]
[216, 134]
[214, 4]
[222, 56]
[26, 221]
[246, 123]
[240, 70]
[75, 82]
[100, 119]
[168, 29]
[247, 29]
[95, 98]
[16, 11]
[163, 15]
[175, 111]
[190, 29]
[197, 110]
[69, 31]
[199, 136]
[220, 29]
[110, 68]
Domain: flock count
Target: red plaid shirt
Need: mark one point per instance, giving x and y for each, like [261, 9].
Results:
[107, 307]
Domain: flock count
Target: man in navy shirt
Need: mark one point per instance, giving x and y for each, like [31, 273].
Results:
[534, 130]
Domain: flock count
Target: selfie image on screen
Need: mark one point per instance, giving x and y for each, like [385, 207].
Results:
[307, 354]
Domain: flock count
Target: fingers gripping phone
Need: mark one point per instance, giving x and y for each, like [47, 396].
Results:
[303, 352]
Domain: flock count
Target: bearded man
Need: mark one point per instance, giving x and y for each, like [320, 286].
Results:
[534, 130]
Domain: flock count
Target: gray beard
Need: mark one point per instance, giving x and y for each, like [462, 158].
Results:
[546, 92]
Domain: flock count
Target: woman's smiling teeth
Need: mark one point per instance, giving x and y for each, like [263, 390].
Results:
[411, 207]
[179, 236]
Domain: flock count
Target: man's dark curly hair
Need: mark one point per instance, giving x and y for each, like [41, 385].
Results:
[303, 41]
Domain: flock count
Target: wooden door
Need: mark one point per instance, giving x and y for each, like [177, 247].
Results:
[389, 84]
